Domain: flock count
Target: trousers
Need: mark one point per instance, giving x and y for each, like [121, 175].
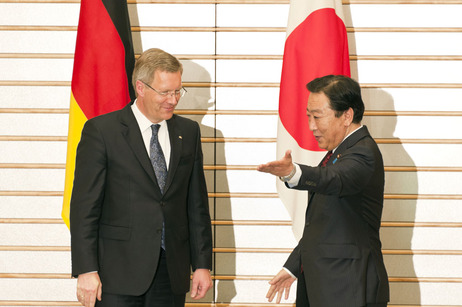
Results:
[159, 293]
[302, 295]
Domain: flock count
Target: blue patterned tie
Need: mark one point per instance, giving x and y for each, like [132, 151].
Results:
[157, 158]
[160, 167]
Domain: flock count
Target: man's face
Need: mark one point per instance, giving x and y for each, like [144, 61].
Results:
[328, 130]
[154, 106]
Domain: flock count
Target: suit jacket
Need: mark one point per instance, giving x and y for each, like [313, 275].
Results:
[340, 250]
[117, 208]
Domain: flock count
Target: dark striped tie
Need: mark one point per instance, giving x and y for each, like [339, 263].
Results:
[326, 158]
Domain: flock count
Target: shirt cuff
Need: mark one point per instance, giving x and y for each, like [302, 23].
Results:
[290, 273]
[296, 177]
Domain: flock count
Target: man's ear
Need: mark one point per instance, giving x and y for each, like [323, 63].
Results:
[348, 115]
[140, 88]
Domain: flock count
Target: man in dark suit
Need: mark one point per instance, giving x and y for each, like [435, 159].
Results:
[338, 262]
[139, 208]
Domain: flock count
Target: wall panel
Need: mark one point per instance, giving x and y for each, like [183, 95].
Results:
[177, 42]
[35, 97]
[398, 265]
[39, 14]
[37, 289]
[255, 43]
[425, 99]
[172, 15]
[405, 43]
[33, 207]
[242, 236]
[422, 210]
[38, 124]
[32, 152]
[252, 15]
[252, 98]
[36, 69]
[409, 71]
[432, 293]
[34, 235]
[425, 15]
[38, 42]
[254, 153]
[251, 209]
[249, 71]
[26, 262]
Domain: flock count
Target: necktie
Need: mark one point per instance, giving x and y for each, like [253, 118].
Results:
[157, 158]
[160, 168]
[326, 158]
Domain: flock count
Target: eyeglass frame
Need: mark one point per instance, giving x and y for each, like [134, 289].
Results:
[172, 93]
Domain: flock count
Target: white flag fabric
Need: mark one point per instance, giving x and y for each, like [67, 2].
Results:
[316, 45]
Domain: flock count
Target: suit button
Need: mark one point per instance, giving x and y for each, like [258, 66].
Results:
[159, 230]
[162, 204]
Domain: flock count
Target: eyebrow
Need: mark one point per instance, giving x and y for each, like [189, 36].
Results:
[314, 111]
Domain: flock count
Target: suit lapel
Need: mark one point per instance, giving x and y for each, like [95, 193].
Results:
[347, 143]
[132, 134]
[176, 142]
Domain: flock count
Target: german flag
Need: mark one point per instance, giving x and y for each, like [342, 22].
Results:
[101, 79]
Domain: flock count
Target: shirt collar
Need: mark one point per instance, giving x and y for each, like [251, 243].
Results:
[347, 137]
[143, 122]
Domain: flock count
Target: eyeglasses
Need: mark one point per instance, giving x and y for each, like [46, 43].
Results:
[176, 93]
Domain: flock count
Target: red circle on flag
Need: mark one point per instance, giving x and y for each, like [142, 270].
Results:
[315, 48]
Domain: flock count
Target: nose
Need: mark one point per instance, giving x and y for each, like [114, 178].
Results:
[311, 124]
[171, 98]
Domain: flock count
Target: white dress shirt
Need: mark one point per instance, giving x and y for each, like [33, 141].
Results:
[145, 127]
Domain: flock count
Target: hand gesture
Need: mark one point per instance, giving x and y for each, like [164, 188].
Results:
[279, 284]
[281, 168]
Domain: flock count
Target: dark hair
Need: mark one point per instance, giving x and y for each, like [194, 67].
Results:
[343, 93]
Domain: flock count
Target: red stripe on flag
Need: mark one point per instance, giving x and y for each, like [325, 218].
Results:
[99, 80]
[317, 47]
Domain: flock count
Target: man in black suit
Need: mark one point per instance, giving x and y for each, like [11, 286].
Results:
[338, 262]
[139, 208]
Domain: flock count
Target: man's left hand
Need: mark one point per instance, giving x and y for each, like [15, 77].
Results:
[201, 283]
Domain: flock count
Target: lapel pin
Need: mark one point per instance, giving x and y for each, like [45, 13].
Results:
[180, 137]
[335, 160]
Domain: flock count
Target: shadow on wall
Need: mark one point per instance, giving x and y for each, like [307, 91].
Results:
[201, 98]
[395, 210]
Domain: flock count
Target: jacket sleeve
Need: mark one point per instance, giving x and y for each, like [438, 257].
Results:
[347, 176]
[294, 263]
[86, 200]
[198, 212]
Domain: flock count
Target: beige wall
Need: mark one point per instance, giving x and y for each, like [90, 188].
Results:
[407, 55]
